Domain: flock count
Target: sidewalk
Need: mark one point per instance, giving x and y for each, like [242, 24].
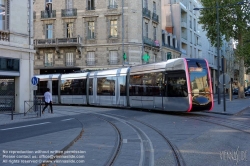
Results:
[233, 107]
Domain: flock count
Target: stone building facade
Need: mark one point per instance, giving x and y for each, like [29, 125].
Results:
[75, 35]
[16, 54]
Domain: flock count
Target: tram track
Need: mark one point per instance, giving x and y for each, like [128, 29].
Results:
[229, 123]
[114, 154]
[146, 158]
[118, 143]
[179, 161]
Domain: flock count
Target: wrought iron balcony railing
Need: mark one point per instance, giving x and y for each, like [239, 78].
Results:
[77, 41]
[146, 13]
[90, 8]
[69, 12]
[48, 64]
[155, 17]
[47, 14]
[148, 41]
[112, 6]
[44, 41]
[4, 36]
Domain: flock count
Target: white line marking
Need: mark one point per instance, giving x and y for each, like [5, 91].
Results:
[68, 119]
[25, 126]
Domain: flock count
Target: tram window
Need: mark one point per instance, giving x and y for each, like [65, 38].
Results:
[122, 82]
[106, 86]
[149, 84]
[199, 77]
[55, 87]
[41, 87]
[176, 85]
[73, 87]
[152, 84]
[158, 84]
[91, 86]
[135, 87]
[65, 87]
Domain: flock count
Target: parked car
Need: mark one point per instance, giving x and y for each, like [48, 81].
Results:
[235, 91]
[247, 93]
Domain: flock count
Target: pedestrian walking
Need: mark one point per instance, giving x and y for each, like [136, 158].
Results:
[48, 100]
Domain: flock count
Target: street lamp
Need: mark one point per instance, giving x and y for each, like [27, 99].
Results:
[218, 47]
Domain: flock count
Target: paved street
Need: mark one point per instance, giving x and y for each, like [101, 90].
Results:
[79, 135]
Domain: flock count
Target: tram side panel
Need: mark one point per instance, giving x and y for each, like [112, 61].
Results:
[148, 86]
[135, 90]
[73, 91]
[152, 94]
[158, 90]
[107, 88]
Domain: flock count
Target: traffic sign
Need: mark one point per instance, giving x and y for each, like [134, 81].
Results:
[227, 79]
[34, 80]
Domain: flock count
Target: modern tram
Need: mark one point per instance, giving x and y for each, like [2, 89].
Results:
[182, 84]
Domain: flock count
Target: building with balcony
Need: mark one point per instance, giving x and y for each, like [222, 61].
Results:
[179, 19]
[86, 35]
[16, 54]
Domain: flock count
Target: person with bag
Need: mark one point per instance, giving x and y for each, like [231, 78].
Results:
[48, 100]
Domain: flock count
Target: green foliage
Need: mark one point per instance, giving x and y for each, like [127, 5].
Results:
[233, 19]
[234, 22]
[243, 51]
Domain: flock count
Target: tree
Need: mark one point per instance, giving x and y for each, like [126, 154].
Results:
[234, 18]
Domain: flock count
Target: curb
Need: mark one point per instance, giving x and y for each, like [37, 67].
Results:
[241, 112]
[49, 160]
[221, 113]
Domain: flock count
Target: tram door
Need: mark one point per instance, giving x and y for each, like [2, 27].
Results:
[7, 94]
[175, 91]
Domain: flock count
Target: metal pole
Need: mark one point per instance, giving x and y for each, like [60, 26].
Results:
[218, 50]
[224, 85]
[142, 50]
[40, 108]
[123, 33]
[12, 110]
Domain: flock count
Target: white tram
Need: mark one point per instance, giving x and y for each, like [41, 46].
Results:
[175, 85]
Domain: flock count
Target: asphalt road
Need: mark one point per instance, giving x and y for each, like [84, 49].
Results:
[17, 131]
[200, 139]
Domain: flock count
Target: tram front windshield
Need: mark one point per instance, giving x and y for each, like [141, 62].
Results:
[199, 77]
